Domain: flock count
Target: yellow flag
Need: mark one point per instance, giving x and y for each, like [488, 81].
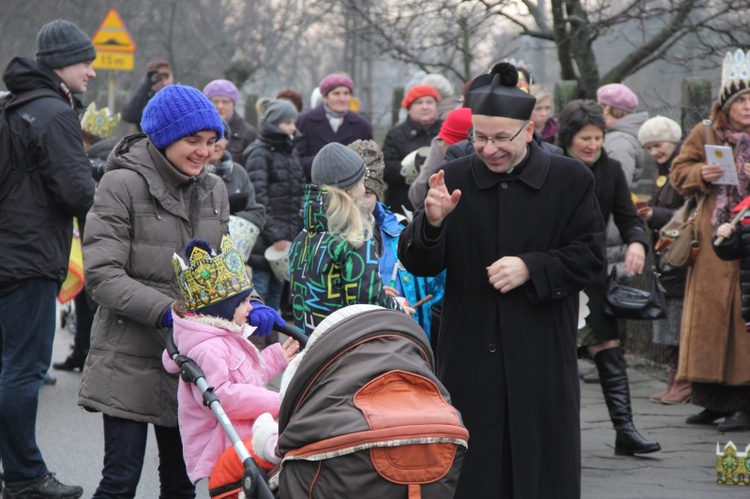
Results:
[74, 281]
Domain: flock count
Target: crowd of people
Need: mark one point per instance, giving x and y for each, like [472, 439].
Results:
[484, 217]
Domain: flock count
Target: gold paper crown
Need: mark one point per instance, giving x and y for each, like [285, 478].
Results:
[732, 466]
[100, 123]
[211, 278]
[735, 75]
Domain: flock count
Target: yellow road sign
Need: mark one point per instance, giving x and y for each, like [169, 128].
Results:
[114, 45]
[116, 61]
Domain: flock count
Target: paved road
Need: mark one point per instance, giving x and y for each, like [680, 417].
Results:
[686, 466]
[71, 441]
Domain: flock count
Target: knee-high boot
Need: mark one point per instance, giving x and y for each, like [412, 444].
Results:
[614, 381]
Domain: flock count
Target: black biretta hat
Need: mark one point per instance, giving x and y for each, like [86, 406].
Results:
[496, 94]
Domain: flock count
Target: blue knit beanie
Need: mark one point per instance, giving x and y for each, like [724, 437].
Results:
[225, 308]
[177, 111]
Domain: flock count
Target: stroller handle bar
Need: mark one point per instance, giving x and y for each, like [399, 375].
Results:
[295, 333]
[254, 483]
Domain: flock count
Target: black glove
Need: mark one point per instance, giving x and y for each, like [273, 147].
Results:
[152, 76]
[98, 167]
[237, 202]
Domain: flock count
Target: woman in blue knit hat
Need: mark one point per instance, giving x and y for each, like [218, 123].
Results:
[154, 197]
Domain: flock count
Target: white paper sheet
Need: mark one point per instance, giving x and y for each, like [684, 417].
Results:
[722, 156]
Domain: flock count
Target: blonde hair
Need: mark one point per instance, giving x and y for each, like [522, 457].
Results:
[541, 93]
[348, 218]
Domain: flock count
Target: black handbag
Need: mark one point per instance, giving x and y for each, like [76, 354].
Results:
[626, 302]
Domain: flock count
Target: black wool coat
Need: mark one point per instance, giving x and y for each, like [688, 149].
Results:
[243, 134]
[399, 142]
[509, 360]
[613, 195]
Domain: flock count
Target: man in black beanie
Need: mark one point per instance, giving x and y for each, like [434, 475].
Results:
[49, 184]
[520, 234]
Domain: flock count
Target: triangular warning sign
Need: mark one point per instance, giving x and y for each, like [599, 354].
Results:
[113, 36]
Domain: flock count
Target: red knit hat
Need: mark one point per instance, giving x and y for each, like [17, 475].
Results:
[456, 126]
[417, 92]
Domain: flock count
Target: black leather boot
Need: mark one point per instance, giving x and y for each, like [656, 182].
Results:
[614, 381]
[74, 361]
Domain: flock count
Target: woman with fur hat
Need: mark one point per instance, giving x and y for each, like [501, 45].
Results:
[214, 335]
[713, 340]
[662, 137]
[448, 100]
[418, 130]
[330, 121]
[274, 168]
[155, 197]
[333, 261]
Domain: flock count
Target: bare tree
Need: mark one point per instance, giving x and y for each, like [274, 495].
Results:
[677, 31]
[446, 35]
[435, 35]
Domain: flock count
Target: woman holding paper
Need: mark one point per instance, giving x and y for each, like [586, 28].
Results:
[713, 341]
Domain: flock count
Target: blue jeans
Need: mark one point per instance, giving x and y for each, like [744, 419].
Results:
[124, 450]
[268, 287]
[27, 331]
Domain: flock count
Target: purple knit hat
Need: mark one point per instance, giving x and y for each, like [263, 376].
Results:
[221, 88]
[335, 80]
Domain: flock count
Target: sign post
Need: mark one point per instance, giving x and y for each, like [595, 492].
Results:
[115, 50]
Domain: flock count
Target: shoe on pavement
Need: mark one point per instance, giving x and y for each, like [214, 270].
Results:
[49, 380]
[706, 416]
[46, 488]
[680, 393]
[656, 397]
[74, 361]
[737, 421]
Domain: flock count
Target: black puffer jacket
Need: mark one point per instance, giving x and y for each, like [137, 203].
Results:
[400, 141]
[278, 177]
[52, 180]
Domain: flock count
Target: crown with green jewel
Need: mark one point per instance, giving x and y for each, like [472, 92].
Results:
[101, 123]
[732, 467]
[208, 278]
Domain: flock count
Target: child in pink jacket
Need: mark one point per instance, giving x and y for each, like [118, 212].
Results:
[215, 337]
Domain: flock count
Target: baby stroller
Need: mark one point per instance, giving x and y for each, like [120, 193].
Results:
[361, 411]
[364, 413]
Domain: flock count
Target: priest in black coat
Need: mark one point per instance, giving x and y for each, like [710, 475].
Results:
[520, 234]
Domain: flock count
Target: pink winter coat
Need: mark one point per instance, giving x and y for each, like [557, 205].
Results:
[239, 374]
